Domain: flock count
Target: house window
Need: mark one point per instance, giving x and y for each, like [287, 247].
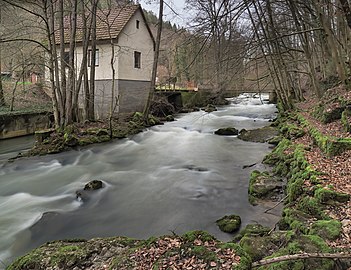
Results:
[90, 57]
[137, 24]
[66, 59]
[137, 59]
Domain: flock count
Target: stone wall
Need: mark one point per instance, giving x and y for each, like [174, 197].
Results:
[15, 125]
[133, 96]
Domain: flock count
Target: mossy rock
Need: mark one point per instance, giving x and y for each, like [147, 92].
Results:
[311, 206]
[295, 219]
[346, 119]
[252, 230]
[330, 112]
[202, 235]
[169, 118]
[327, 196]
[295, 188]
[229, 223]
[209, 108]
[330, 145]
[291, 131]
[278, 155]
[258, 135]
[298, 244]
[327, 229]
[229, 131]
[259, 247]
[262, 184]
[275, 140]
[71, 140]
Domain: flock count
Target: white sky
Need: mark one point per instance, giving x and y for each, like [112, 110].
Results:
[177, 5]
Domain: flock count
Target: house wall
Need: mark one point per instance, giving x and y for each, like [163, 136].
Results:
[132, 96]
[129, 40]
[132, 39]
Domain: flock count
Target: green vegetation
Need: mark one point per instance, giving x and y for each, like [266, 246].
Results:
[345, 119]
[229, 223]
[327, 196]
[326, 229]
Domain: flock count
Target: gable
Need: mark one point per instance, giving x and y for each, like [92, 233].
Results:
[109, 24]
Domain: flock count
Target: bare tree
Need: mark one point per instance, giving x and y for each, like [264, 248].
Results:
[154, 67]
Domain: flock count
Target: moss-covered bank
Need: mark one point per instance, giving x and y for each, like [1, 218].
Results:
[304, 226]
[196, 249]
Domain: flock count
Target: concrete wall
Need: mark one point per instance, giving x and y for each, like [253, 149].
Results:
[23, 124]
[133, 96]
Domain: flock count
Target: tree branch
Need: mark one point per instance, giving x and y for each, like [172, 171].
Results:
[302, 256]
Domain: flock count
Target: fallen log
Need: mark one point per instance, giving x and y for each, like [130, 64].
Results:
[300, 256]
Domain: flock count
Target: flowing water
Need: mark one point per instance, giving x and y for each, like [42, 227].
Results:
[170, 178]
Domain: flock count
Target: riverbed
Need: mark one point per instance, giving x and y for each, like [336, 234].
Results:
[168, 179]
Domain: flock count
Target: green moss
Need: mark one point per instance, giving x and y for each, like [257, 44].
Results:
[229, 223]
[345, 120]
[295, 188]
[291, 131]
[327, 229]
[203, 253]
[330, 145]
[327, 196]
[310, 206]
[252, 230]
[29, 261]
[192, 235]
[263, 185]
[298, 244]
[295, 219]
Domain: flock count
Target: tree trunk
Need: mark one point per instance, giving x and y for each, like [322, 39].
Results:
[2, 98]
[63, 63]
[53, 62]
[347, 11]
[71, 65]
[91, 97]
[154, 66]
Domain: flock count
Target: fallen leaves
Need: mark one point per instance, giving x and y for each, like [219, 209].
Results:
[176, 253]
[335, 171]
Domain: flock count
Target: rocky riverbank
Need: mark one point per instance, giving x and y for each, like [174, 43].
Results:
[312, 169]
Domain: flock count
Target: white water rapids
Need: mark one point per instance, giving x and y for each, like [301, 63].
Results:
[175, 177]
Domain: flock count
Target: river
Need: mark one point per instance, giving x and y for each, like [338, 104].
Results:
[170, 178]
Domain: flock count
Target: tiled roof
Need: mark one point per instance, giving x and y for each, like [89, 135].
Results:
[116, 18]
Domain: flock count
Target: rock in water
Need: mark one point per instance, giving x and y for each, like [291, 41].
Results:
[229, 223]
[84, 194]
[93, 185]
[227, 131]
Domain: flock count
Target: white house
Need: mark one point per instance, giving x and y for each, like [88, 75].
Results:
[133, 60]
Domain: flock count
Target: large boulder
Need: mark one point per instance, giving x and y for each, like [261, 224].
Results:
[258, 135]
[227, 131]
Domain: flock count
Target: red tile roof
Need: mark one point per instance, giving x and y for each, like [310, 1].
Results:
[116, 18]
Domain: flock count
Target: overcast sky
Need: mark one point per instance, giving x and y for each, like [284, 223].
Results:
[177, 5]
